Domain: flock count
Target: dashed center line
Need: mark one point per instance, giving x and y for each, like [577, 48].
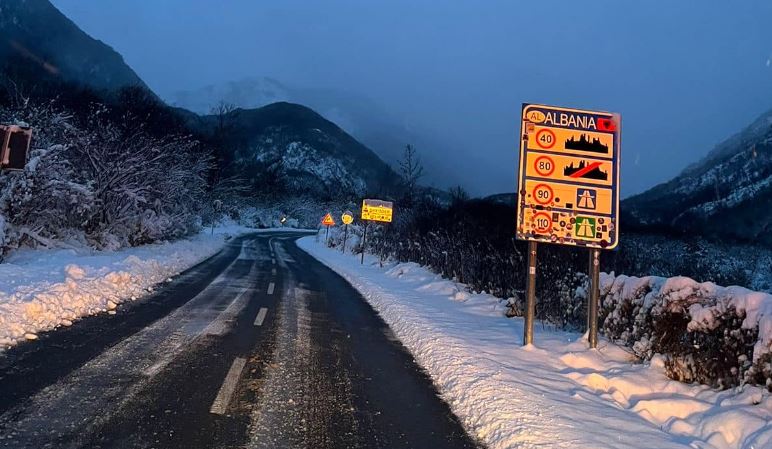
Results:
[261, 316]
[223, 398]
[271, 286]
[222, 323]
[273, 271]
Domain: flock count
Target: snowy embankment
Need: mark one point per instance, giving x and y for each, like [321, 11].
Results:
[43, 289]
[555, 393]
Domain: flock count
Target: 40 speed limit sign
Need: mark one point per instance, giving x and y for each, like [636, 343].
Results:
[568, 178]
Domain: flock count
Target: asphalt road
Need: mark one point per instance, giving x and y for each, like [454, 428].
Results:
[260, 346]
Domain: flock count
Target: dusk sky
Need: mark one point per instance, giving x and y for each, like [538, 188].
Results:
[684, 75]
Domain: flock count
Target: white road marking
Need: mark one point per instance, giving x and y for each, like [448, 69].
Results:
[271, 286]
[220, 325]
[223, 398]
[273, 271]
[249, 251]
[273, 261]
[261, 316]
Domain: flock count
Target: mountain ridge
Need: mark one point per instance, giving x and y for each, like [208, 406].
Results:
[725, 195]
[36, 33]
[289, 146]
[357, 114]
[302, 148]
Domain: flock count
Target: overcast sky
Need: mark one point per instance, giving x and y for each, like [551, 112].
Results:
[684, 75]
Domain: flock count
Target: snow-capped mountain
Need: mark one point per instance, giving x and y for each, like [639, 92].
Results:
[727, 195]
[289, 147]
[357, 114]
[38, 40]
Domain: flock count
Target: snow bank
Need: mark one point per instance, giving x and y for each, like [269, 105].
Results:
[43, 289]
[556, 393]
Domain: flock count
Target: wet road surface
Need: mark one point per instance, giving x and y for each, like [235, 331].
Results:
[260, 346]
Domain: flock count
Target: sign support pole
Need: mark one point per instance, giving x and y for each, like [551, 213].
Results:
[589, 294]
[364, 243]
[592, 311]
[345, 236]
[530, 294]
[327, 236]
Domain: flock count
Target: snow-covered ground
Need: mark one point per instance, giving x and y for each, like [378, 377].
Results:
[43, 289]
[555, 393]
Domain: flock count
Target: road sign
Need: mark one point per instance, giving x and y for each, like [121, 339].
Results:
[328, 220]
[347, 217]
[568, 183]
[14, 146]
[377, 210]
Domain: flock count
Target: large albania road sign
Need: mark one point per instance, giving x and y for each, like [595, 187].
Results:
[568, 180]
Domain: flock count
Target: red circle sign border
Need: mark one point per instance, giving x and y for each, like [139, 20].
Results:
[546, 230]
[536, 165]
[554, 139]
[535, 198]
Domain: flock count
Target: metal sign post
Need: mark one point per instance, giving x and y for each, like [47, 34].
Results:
[530, 294]
[592, 309]
[364, 243]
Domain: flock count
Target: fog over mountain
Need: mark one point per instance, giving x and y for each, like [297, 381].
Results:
[359, 115]
[684, 76]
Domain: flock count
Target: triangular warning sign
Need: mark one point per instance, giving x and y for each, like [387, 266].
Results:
[328, 220]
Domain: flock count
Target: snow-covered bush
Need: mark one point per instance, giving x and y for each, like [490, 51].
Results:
[720, 336]
[95, 180]
[145, 188]
[48, 199]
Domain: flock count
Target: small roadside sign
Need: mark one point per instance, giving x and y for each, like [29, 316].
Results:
[328, 220]
[377, 210]
[347, 218]
[568, 183]
[14, 146]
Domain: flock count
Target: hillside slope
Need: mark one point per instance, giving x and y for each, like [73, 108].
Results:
[366, 120]
[40, 42]
[727, 195]
[289, 147]
[279, 148]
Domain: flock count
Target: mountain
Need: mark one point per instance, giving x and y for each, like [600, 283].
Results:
[360, 116]
[38, 42]
[727, 195]
[289, 147]
[281, 147]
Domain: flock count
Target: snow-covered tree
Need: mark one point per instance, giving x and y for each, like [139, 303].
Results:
[99, 181]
